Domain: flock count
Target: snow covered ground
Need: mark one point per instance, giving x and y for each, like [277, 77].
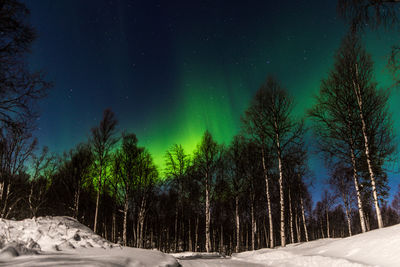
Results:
[375, 248]
[61, 241]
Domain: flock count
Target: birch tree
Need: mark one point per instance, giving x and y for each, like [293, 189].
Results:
[206, 157]
[270, 114]
[102, 141]
[177, 164]
[355, 67]
[236, 162]
[341, 182]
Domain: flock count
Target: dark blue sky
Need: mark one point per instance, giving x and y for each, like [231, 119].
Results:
[171, 69]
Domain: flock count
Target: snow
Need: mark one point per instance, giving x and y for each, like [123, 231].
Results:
[375, 248]
[57, 241]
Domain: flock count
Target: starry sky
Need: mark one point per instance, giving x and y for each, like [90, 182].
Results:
[172, 69]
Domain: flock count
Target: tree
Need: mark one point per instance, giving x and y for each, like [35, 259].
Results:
[177, 164]
[147, 176]
[102, 141]
[357, 67]
[341, 182]
[125, 167]
[43, 168]
[237, 175]
[396, 201]
[352, 119]
[16, 147]
[19, 87]
[254, 125]
[80, 165]
[361, 14]
[269, 118]
[205, 159]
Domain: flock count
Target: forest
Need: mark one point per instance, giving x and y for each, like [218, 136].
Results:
[251, 193]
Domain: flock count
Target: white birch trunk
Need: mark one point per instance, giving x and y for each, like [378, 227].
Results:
[97, 204]
[271, 227]
[291, 219]
[357, 90]
[304, 219]
[208, 239]
[282, 201]
[327, 224]
[124, 236]
[237, 221]
[359, 200]
[253, 225]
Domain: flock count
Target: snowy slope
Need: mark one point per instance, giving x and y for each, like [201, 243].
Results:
[57, 241]
[375, 248]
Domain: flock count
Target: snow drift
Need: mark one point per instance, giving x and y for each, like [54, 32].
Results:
[57, 241]
[379, 247]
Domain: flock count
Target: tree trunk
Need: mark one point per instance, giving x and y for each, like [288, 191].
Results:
[282, 200]
[298, 234]
[304, 218]
[141, 218]
[271, 228]
[357, 90]
[253, 224]
[196, 239]
[114, 226]
[247, 236]
[327, 224]
[134, 230]
[151, 236]
[221, 240]
[346, 206]
[266, 235]
[208, 240]
[359, 200]
[190, 236]
[96, 214]
[176, 229]
[237, 221]
[3, 213]
[124, 236]
[76, 201]
[291, 219]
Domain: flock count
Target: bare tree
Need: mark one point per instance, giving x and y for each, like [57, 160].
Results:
[206, 157]
[270, 114]
[19, 87]
[341, 182]
[16, 147]
[177, 164]
[102, 141]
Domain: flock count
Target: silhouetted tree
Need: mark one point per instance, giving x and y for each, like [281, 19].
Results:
[340, 181]
[20, 88]
[177, 164]
[205, 159]
[270, 117]
[102, 141]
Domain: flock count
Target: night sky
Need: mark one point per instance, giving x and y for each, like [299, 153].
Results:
[172, 69]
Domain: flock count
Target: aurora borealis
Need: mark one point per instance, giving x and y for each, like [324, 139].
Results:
[172, 69]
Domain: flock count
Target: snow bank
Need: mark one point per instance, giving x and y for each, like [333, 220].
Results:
[197, 255]
[375, 248]
[57, 241]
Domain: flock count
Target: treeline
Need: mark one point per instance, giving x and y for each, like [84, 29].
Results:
[248, 194]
